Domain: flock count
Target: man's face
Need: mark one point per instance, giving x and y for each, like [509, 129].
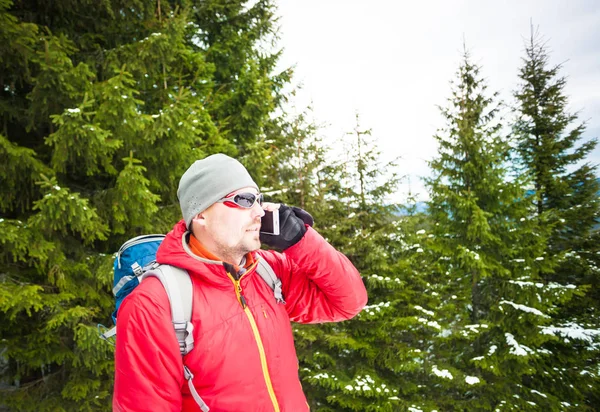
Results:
[232, 231]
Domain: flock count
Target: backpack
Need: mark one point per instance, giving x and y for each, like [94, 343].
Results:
[135, 261]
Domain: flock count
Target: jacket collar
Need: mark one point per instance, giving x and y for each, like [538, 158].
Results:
[198, 249]
[175, 250]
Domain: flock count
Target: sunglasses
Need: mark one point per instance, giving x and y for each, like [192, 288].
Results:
[245, 200]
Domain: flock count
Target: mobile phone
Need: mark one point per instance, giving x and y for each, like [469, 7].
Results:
[269, 223]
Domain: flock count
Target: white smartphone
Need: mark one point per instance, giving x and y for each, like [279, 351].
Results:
[270, 222]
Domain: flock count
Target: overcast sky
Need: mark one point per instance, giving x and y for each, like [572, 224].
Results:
[392, 61]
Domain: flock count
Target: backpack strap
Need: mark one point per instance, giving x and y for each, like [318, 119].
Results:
[108, 334]
[177, 283]
[189, 376]
[178, 286]
[266, 272]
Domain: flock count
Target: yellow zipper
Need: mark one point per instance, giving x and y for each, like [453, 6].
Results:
[263, 359]
[261, 349]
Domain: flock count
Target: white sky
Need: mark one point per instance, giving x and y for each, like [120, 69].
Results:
[392, 62]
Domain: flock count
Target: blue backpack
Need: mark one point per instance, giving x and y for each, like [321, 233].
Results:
[133, 256]
[136, 260]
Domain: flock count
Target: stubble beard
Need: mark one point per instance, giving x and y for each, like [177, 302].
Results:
[240, 250]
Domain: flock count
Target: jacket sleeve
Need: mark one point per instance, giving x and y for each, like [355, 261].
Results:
[319, 283]
[148, 365]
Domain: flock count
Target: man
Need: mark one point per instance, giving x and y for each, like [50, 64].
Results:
[244, 357]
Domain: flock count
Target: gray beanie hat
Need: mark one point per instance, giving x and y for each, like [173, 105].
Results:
[209, 180]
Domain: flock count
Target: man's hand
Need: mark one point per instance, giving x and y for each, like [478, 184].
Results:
[292, 227]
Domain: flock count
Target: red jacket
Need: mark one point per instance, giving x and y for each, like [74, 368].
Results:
[243, 359]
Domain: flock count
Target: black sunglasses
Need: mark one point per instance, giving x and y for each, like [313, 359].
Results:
[245, 200]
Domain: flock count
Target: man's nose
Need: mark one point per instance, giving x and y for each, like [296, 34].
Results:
[257, 210]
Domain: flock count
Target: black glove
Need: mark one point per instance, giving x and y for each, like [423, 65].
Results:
[291, 228]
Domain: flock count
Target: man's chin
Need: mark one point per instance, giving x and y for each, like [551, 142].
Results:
[252, 246]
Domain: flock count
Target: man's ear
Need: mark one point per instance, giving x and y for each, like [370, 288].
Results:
[199, 220]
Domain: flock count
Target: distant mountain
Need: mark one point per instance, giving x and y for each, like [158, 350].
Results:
[422, 207]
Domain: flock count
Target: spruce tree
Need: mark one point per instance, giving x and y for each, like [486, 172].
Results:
[553, 151]
[491, 254]
[297, 159]
[369, 362]
[238, 38]
[103, 105]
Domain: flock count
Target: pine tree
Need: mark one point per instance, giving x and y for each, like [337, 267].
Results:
[551, 150]
[238, 40]
[492, 256]
[296, 159]
[366, 363]
[103, 105]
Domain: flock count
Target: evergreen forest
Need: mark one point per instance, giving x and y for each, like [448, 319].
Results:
[487, 300]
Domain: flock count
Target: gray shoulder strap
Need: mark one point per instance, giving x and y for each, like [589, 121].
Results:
[266, 272]
[179, 289]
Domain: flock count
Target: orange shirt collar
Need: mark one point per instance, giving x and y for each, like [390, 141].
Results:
[200, 250]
